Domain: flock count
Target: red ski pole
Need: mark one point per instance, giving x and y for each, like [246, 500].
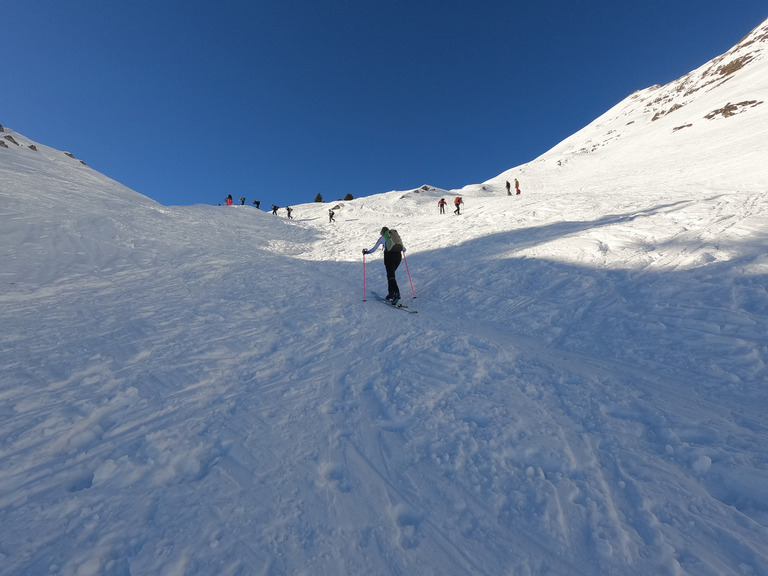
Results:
[364, 293]
[409, 274]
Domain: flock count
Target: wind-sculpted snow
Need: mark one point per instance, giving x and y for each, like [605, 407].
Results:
[202, 390]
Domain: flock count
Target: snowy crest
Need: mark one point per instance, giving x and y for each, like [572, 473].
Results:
[744, 65]
[687, 113]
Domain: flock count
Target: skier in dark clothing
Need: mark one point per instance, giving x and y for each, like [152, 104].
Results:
[257, 203]
[330, 216]
[509, 189]
[242, 200]
[275, 209]
[393, 255]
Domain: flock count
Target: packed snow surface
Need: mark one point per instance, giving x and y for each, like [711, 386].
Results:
[209, 390]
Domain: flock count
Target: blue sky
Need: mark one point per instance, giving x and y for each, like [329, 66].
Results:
[279, 100]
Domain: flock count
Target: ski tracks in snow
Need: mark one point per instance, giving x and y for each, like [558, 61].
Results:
[592, 480]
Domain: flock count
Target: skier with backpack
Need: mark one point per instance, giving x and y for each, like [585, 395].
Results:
[458, 202]
[393, 255]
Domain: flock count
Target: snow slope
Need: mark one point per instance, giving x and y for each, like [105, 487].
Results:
[202, 390]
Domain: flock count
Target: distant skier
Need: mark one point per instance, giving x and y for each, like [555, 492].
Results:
[517, 187]
[257, 203]
[289, 210]
[458, 202]
[229, 199]
[242, 200]
[441, 205]
[509, 189]
[330, 216]
[275, 209]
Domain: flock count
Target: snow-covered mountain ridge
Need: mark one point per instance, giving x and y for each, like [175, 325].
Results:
[202, 389]
[703, 94]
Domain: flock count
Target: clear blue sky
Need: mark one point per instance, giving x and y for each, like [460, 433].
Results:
[279, 100]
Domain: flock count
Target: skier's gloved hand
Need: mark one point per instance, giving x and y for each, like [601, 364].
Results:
[365, 251]
[403, 249]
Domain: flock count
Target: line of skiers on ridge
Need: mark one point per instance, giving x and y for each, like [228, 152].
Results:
[441, 204]
[257, 203]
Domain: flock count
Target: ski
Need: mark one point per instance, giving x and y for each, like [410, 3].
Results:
[398, 306]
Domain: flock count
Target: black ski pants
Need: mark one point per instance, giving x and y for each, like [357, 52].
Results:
[392, 260]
